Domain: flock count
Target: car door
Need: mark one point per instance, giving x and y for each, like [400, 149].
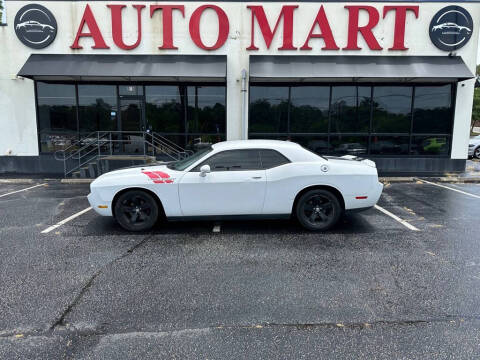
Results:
[235, 185]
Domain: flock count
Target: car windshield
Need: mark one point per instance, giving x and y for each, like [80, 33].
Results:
[183, 164]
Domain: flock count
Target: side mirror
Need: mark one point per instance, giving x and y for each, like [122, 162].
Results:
[204, 170]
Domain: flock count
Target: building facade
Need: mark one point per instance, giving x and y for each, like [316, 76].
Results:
[390, 81]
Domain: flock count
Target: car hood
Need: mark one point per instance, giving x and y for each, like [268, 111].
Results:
[137, 169]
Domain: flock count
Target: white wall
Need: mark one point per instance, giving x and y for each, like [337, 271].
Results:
[18, 120]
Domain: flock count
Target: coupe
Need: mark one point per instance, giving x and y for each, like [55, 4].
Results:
[239, 179]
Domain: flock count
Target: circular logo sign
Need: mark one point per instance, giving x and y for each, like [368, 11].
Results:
[451, 28]
[35, 26]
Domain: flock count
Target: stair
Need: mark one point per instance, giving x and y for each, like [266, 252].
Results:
[105, 164]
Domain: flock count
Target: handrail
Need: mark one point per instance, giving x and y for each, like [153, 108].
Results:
[99, 144]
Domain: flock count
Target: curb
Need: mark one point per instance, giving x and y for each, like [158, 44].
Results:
[76, 181]
[17, 181]
[448, 179]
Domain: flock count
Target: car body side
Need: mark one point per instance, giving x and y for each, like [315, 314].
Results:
[356, 182]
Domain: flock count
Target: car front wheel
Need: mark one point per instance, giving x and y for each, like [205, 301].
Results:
[476, 153]
[136, 210]
[318, 210]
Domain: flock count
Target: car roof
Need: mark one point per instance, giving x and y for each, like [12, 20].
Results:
[253, 144]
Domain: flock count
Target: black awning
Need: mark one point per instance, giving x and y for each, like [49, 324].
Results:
[358, 68]
[125, 67]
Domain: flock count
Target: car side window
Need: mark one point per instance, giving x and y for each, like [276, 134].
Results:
[232, 160]
[272, 158]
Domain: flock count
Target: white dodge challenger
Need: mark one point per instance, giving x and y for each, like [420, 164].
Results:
[239, 179]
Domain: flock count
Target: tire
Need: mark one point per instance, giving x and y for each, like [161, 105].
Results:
[318, 210]
[476, 153]
[136, 210]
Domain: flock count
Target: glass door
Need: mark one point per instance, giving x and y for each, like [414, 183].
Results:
[132, 122]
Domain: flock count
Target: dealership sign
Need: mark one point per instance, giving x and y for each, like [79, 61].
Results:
[450, 28]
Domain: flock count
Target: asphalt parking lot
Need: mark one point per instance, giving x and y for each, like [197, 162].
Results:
[376, 286]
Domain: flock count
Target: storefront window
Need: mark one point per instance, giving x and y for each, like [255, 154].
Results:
[432, 111]
[309, 109]
[164, 109]
[206, 109]
[56, 116]
[355, 120]
[97, 108]
[392, 106]
[268, 109]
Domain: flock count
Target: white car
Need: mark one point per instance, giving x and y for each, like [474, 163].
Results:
[474, 147]
[239, 179]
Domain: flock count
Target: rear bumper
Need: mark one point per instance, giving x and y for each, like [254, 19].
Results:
[364, 201]
[95, 202]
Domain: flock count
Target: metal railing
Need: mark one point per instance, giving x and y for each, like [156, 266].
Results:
[103, 144]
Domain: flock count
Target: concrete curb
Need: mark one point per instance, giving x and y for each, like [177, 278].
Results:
[76, 181]
[18, 181]
[447, 179]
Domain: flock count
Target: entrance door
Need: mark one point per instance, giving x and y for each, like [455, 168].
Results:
[132, 124]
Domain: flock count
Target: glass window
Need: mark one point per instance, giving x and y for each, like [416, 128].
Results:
[271, 158]
[317, 144]
[206, 109]
[164, 109]
[389, 145]
[233, 160]
[56, 116]
[363, 111]
[309, 109]
[349, 145]
[430, 145]
[350, 109]
[97, 108]
[133, 90]
[268, 109]
[432, 111]
[392, 109]
[197, 142]
[185, 163]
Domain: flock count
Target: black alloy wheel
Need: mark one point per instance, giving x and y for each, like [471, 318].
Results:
[136, 210]
[318, 210]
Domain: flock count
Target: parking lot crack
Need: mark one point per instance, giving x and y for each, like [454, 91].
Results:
[61, 319]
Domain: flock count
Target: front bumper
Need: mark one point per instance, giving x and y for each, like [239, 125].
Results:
[100, 206]
[471, 150]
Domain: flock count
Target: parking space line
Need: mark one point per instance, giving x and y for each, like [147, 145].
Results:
[53, 227]
[17, 191]
[395, 217]
[449, 188]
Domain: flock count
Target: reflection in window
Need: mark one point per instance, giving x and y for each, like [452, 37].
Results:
[233, 160]
[350, 111]
[389, 145]
[318, 144]
[56, 116]
[309, 109]
[164, 109]
[206, 109]
[268, 109]
[392, 109]
[432, 109]
[430, 145]
[198, 142]
[97, 108]
[348, 145]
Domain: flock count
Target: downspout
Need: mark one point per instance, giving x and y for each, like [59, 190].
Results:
[244, 104]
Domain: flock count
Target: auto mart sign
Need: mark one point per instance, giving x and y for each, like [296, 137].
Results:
[359, 24]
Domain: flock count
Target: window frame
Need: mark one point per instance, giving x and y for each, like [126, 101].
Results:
[369, 134]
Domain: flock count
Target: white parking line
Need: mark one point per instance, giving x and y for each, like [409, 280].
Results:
[449, 188]
[53, 227]
[14, 192]
[395, 217]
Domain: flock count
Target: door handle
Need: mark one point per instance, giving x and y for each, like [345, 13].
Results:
[256, 177]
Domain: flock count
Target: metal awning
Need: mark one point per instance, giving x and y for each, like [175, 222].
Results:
[325, 68]
[125, 67]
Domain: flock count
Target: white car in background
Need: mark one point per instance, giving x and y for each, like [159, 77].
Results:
[474, 147]
[239, 179]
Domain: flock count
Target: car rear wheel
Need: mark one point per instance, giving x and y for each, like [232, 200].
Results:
[476, 153]
[136, 210]
[318, 210]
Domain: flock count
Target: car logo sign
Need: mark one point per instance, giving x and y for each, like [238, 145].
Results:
[35, 26]
[451, 28]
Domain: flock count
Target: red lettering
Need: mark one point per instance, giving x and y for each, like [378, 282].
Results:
[366, 31]
[117, 31]
[167, 11]
[267, 33]
[400, 20]
[94, 33]
[223, 27]
[326, 32]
